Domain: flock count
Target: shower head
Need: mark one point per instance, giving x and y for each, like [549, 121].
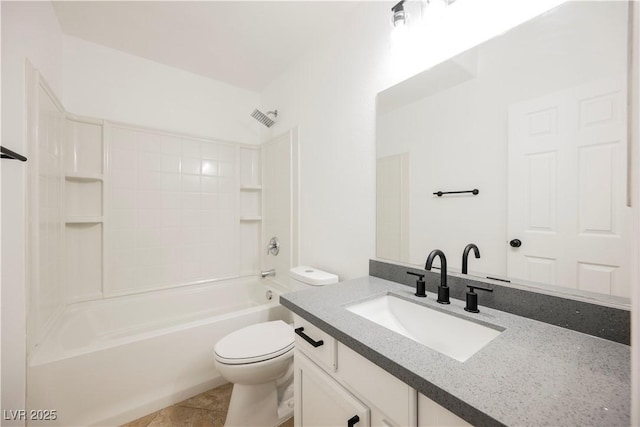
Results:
[264, 118]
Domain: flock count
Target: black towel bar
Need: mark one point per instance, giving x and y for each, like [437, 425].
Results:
[8, 154]
[475, 192]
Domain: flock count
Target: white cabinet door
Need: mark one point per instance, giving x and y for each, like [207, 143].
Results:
[431, 414]
[392, 402]
[321, 401]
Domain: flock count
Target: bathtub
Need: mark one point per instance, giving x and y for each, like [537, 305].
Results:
[110, 361]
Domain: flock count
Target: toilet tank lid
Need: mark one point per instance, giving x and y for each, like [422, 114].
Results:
[312, 276]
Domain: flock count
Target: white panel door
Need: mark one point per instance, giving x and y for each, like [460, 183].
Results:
[567, 183]
[321, 401]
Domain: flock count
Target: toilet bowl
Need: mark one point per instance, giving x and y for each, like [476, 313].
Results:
[253, 359]
[257, 359]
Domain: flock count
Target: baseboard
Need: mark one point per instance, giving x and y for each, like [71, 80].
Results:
[160, 402]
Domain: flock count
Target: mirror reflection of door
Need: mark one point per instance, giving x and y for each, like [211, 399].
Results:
[567, 186]
[392, 207]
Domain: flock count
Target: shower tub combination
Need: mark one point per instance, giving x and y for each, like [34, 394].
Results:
[111, 361]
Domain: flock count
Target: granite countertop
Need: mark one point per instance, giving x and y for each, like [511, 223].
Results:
[532, 374]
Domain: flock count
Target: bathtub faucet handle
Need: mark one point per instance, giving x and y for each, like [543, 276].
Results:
[273, 247]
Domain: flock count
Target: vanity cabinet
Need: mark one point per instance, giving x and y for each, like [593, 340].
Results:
[334, 384]
[331, 377]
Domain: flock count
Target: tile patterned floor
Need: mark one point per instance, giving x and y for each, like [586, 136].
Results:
[208, 409]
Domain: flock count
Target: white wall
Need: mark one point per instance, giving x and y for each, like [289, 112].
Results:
[330, 94]
[110, 84]
[29, 30]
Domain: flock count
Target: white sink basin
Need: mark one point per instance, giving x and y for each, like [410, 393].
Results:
[451, 335]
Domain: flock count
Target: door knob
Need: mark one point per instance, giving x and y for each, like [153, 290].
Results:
[515, 243]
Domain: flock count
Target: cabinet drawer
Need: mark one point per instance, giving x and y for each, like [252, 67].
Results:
[395, 399]
[315, 343]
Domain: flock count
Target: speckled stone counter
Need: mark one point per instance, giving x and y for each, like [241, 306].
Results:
[532, 374]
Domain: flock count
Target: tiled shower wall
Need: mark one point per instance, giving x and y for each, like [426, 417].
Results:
[47, 288]
[118, 209]
[172, 210]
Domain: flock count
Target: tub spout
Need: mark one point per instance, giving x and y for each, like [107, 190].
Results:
[266, 273]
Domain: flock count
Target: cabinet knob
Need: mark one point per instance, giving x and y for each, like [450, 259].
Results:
[515, 243]
[353, 421]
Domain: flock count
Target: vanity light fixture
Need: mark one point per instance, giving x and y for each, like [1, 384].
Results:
[399, 17]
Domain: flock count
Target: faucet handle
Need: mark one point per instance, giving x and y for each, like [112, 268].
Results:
[472, 298]
[273, 247]
[420, 286]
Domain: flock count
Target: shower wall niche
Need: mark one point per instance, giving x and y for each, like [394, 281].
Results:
[250, 209]
[83, 154]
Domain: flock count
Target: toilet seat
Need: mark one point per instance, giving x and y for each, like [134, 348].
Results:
[255, 343]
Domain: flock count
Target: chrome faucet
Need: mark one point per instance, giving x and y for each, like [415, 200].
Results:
[465, 255]
[443, 289]
[266, 273]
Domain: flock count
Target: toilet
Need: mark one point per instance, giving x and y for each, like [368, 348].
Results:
[258, 360]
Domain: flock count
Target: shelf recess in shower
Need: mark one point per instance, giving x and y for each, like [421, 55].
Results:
[84, 177]
[251, 218]
[251, 188]
[84, 220]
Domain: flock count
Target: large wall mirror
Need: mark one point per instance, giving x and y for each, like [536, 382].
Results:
[536, 121]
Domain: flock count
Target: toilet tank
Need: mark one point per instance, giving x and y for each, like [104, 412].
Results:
[304, 277]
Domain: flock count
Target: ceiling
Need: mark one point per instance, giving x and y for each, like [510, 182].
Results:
[243, 43]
